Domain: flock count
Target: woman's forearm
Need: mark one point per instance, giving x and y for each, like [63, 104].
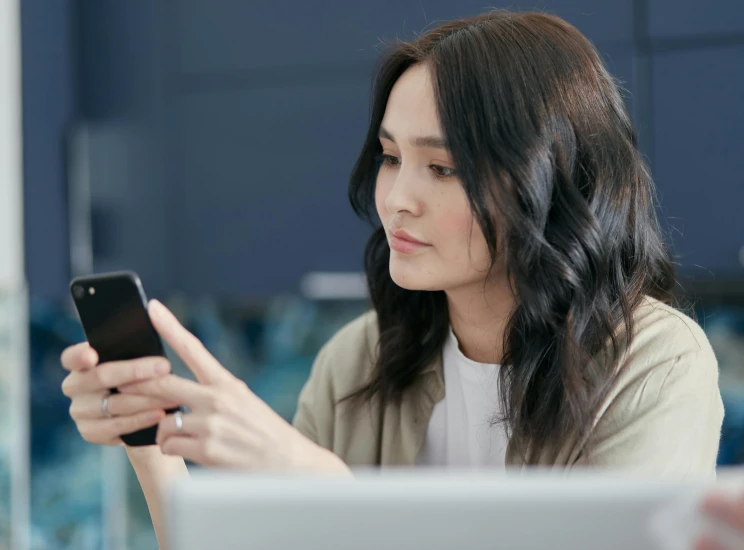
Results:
[154, 471]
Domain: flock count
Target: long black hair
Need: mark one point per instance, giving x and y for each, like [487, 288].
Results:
[547, 155]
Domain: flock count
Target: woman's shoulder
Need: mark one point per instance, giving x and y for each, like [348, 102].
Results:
[663, 331]
[663, 413]
[668, 354]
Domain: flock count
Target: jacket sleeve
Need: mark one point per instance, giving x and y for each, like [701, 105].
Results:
[316, 405]
[665, 421]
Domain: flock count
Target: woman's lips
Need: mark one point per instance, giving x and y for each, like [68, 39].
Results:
[403, 242]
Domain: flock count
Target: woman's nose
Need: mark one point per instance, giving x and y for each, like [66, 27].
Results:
[404, 195]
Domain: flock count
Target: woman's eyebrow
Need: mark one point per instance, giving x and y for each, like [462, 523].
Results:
[435, 142]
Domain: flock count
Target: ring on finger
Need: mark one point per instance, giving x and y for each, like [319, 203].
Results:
[178, 417]
[104, 406]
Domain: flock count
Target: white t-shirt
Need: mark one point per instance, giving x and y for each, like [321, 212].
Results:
[460, 432]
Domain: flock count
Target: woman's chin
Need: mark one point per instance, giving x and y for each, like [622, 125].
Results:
[410, 278]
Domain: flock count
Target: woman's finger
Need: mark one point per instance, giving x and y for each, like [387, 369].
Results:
[708, 543]
[207, 428]
[112, 375]
[205, 367]
[79, 357]
[168, 428]
[726, 510]
[108, 431]
[88, 407]
[176, 389]
[192, 425]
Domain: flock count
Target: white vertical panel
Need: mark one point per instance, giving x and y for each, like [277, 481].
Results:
[12, 280]
[20, 467]
[11, 187]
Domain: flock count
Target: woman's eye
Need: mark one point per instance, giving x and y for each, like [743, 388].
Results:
[442, 171]
[390, 160]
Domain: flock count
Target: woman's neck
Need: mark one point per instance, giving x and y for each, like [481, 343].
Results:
[478, 315]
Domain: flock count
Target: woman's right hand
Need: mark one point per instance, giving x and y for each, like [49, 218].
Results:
[87, 384]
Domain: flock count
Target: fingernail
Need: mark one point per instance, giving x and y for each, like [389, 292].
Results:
[92, 357]
[162, 367]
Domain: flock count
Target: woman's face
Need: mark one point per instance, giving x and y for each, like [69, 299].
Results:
[435, 242]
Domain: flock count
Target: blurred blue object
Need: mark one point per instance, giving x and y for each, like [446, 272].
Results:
[725, 329]
[4, 499]
[66, 488]
[295, 330]
[51, 331]
[221, 336]
[731, 451]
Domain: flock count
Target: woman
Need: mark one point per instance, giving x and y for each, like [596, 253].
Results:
[519, 282]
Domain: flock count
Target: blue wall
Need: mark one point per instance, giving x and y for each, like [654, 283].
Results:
[49, 80]
[224, 131]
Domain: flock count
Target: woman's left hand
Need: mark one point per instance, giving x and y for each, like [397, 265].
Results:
[228, 424]
[728, 511]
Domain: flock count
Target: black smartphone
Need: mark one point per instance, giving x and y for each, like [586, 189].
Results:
[112, 308]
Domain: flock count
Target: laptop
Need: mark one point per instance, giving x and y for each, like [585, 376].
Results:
[421, 509]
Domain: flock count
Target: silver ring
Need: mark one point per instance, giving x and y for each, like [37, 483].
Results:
[104, 407]
[178, 416]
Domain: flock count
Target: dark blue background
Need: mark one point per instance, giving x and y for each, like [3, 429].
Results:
[223, 131]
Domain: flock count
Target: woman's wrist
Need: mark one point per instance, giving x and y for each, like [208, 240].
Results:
[151, 461]
[154, 472]
[146, 454]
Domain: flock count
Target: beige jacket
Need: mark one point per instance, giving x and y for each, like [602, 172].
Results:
[662, 417]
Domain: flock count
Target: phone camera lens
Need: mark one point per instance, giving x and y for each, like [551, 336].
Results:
[78, 292]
